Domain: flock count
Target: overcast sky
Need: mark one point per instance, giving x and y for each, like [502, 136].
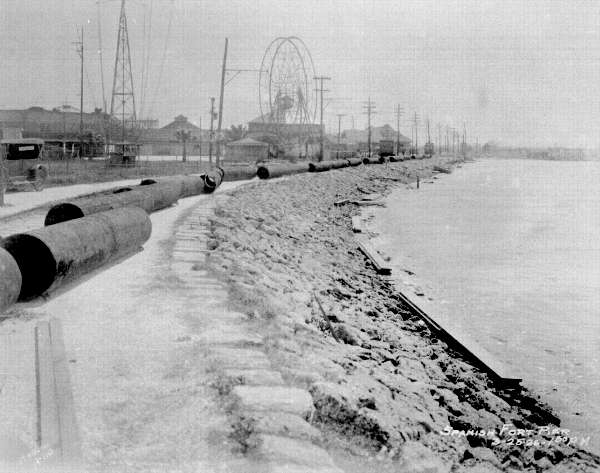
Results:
[519, 72]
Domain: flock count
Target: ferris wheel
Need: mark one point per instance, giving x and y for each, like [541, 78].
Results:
[286, 89]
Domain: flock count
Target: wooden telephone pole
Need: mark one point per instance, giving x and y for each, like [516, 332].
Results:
[369, 110]
[79, 49]
[223, 71]
[211, 136]
[320, 90]
[339, 115]
[416, 125]
[3, 174]
[398, 115]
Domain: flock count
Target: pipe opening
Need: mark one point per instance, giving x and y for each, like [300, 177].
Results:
[122, 189]
[35, 261]
[210, 182]
[262, 172]
[61, 213]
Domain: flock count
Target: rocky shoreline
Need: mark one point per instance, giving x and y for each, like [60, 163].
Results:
[387, 395]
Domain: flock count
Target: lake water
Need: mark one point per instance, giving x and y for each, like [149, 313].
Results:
[509, 251]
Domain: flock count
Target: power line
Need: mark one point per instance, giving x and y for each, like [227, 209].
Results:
[101, 60]
[163, 59]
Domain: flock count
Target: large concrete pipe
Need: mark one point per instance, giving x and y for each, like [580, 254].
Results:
[10, 280]
[148, 197]
[373, 160]
[355, 161]
[339, 163]
[395, 159]
[185, 185]
[212, 180]
[50, 256]
[268, 171]
[319, 166]
[239, 173]
[327, 165]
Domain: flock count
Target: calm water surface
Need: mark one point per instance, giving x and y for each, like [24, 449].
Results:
[510, 251]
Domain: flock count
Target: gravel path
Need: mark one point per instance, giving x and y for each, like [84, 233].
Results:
[135, 337]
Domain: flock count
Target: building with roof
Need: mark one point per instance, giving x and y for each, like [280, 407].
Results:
[247, 150]
[294, 140]
[165, 140]
[60, 122]
[353, 137]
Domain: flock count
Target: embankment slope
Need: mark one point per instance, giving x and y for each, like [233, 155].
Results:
[382, 384]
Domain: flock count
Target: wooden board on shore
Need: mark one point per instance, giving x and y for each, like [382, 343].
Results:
[57, 430]
[460, 341]
[380, 265]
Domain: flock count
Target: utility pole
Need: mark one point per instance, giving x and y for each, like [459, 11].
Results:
[454, 141]
[416, 125]
[439, 127]
[369, 110]
[200, 141]
[398, 115]
[464, 145]
[223, 71]
[211, 136]
[447, 139]
[320, 90]
[79, 49]
[3, 172]
[339, 115]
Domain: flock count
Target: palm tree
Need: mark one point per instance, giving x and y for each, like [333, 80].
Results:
[183, 136]
[236, 133]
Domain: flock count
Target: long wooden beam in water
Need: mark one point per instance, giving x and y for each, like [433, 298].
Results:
[468, 347]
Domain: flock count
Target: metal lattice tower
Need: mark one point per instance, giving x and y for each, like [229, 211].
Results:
[122, 103]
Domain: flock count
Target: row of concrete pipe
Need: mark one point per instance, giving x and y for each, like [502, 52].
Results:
[268, 171]
[85, 233]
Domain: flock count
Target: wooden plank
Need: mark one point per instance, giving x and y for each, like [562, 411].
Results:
[69, 430]
[48, 433]
[481, 357]
[357, 224]
[373, 196]
[379, 263]
[57, 430]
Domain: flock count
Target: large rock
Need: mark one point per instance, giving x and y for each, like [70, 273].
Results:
[417, 458]
[284, 450]
[273, 398]
[350, 412]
